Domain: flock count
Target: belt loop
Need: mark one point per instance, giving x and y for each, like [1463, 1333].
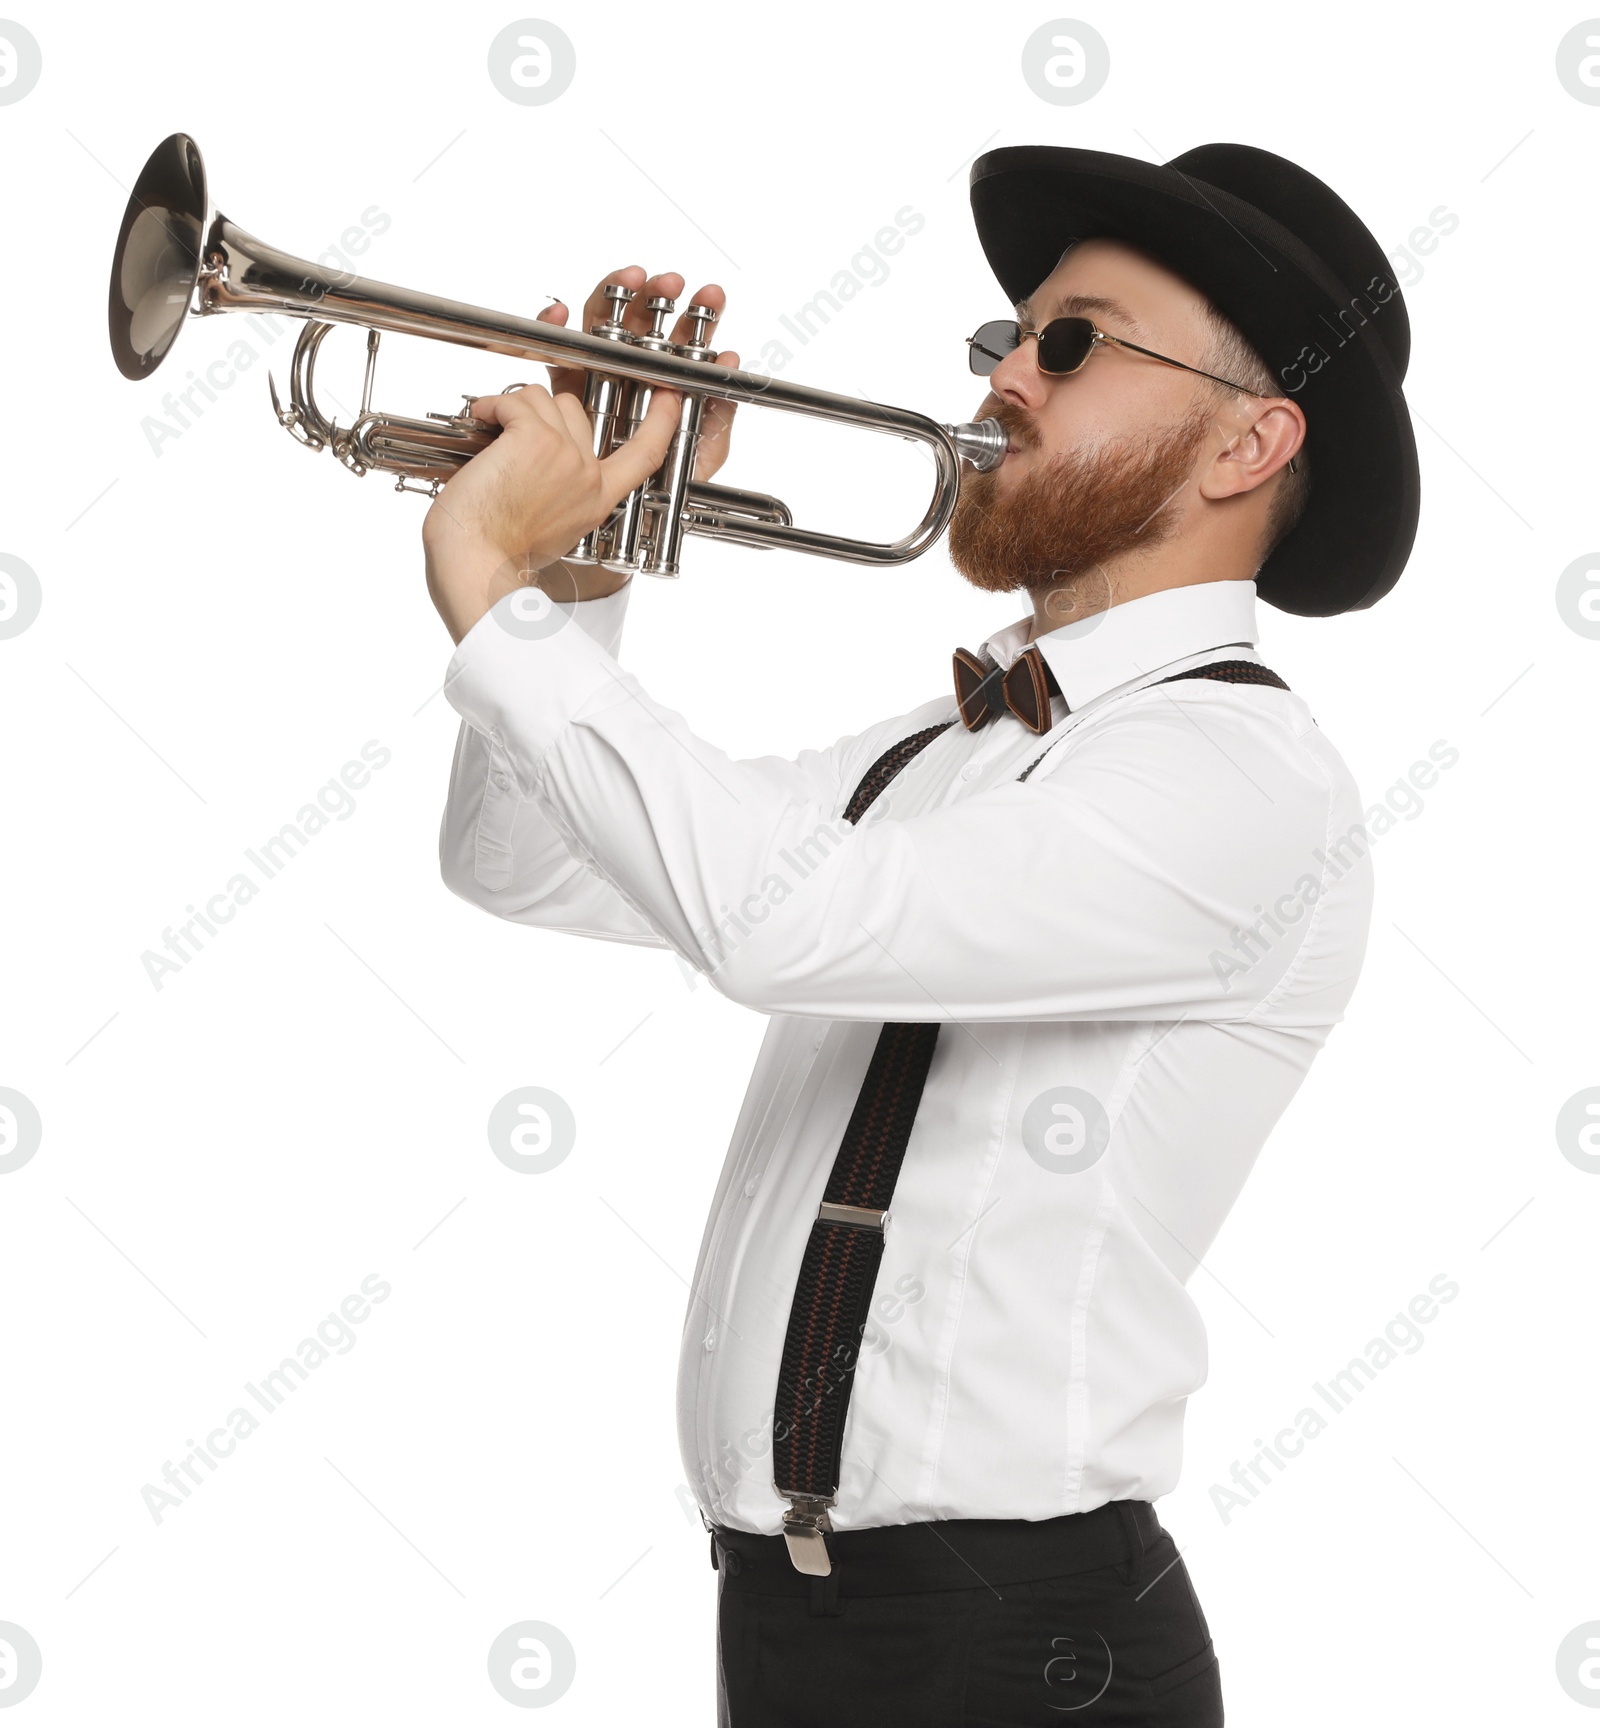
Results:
[1134, 1570]
[825, 1593]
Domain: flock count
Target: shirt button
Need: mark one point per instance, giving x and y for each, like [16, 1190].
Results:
[500, 781]
[971, 771]
[711, 1339]
[751, 1186]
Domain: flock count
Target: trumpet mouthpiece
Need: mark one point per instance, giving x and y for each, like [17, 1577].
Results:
[979, 442]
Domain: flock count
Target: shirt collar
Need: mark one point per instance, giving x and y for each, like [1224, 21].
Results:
[1127, 641]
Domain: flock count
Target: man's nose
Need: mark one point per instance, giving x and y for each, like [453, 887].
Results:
[1017, 379]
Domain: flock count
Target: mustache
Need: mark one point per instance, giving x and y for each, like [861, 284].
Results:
[1017, 422]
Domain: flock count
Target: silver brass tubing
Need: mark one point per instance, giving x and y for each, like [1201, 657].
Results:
[733, 505]
[627, 530]
[429, 449]
[240, 273]
[667, 533]
[372, 367]
[600, 398]
[678, 469]
[302, 418]
[628, 518]
[600, 401]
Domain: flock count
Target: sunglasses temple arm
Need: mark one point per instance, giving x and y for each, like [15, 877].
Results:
[1165, 361]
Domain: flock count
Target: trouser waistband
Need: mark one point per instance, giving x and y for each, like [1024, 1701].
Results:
[947, 1554]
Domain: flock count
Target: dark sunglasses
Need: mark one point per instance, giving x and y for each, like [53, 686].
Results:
[1064, 345]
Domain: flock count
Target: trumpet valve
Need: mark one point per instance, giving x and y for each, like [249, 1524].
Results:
[615, 408]
[676, 474]
[620, 299]
[701, 318]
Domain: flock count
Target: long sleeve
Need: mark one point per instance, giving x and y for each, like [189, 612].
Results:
[500, 851]
[503, 852]
[1124, 881]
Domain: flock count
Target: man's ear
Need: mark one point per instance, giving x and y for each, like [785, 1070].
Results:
[1263, 434]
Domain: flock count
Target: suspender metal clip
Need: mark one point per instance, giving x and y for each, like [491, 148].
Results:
[803, 1527]
[863, 1217]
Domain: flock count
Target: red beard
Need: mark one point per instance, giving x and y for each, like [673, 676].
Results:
[1074, 514]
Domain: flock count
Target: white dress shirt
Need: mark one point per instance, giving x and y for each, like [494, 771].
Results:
[1167, 916]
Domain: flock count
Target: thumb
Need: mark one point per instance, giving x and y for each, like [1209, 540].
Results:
[631, 464]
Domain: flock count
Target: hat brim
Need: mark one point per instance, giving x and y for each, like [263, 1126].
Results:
[1317, 334]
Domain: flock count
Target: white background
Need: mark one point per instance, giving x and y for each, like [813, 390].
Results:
[225, 624]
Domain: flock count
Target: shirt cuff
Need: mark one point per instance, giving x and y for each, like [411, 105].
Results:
[602, 619]
[530, 667]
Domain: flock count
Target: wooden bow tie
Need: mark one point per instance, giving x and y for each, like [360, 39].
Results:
[1024, 688]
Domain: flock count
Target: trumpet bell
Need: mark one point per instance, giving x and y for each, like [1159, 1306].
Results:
[157, 259]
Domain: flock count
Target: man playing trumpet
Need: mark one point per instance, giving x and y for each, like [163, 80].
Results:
[1086, 916]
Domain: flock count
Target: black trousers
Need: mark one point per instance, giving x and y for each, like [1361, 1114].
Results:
[969, 1623]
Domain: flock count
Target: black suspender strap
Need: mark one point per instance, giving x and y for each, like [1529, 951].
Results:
[840, 1265]
[887, 766]
[834, 1291]
[1222, 671]
[1230, 672]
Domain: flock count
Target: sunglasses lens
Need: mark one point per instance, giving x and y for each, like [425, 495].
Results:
[1064, 344]
[990, 345]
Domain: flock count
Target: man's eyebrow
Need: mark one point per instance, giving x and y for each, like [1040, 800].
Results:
[1085, 305]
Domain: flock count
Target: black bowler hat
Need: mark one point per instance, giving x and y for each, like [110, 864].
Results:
[1292, 265]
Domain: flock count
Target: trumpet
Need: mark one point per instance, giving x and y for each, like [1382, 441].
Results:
[175, 257]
